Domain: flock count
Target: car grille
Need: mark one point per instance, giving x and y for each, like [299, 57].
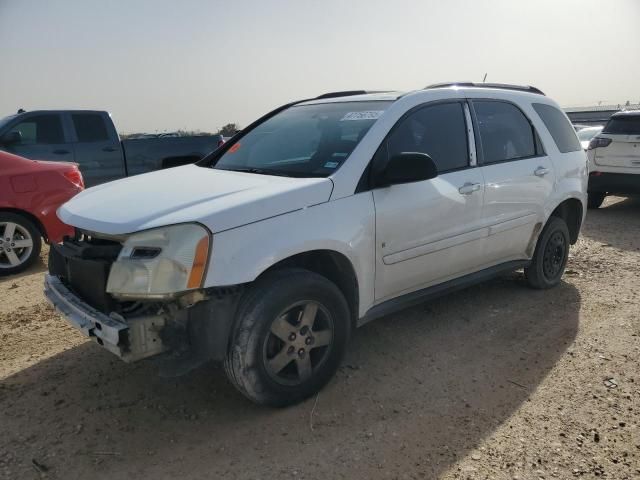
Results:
[83, 266]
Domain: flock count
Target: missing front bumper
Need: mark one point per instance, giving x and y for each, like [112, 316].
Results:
[130, 339]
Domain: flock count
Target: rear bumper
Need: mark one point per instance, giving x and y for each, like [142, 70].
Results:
[130, 339]
[614, 183]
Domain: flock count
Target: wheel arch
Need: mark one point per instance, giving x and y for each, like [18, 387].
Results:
[332, 265]
[571, 211]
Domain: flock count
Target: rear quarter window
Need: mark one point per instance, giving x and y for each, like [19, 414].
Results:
[563, 134]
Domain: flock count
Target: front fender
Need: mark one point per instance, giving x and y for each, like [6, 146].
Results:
[345, 226]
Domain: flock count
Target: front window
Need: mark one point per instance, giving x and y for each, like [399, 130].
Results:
[304, 140]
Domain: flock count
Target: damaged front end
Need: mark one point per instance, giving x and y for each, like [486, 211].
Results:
[194, 322]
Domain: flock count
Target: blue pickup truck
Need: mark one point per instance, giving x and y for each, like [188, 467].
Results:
[89, 138]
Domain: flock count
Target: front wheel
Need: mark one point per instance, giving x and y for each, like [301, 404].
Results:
[292, 328]
[550, 257]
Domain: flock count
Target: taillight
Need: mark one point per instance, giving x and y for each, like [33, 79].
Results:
[75, 177]
[598, 142]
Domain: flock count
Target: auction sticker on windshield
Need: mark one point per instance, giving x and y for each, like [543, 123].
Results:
[367, 115]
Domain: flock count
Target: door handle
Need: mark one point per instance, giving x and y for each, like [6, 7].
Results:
[109, 149]
[468, 188]
[541, 172]
[61, 152]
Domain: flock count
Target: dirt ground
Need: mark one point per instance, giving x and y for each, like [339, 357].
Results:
[497, 381]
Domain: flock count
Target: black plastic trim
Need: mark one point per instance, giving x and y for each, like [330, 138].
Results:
[430, 293]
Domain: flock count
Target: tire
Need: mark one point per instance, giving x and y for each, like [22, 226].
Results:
[595, 199]
[290, 334]
[19, 230]
[550, 257]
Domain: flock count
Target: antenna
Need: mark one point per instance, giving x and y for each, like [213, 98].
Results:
[484, 79]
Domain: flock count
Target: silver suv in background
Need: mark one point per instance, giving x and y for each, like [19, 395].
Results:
[614, 158]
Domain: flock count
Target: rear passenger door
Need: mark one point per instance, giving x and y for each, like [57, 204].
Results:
[518, 175]
[42, 138]
[97, 148]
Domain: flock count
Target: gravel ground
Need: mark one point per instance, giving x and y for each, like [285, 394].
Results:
[497, 381]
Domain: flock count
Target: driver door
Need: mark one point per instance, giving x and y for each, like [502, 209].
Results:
[430, 231]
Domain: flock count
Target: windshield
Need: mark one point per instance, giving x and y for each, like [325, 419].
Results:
[304, 140]
[625, 125]
[588, 133]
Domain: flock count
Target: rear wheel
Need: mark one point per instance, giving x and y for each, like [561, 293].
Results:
[291, 332]
[550, 257]
[20, 243]
[595, 199]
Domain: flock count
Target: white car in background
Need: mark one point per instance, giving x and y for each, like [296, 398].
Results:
[318, 218]
[614, 158]
[586, 134]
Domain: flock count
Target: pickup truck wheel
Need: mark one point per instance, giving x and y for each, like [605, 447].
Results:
[291, 331]
[550, 257]
[595, 199]
[20, 243]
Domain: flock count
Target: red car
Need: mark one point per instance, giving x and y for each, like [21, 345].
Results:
[30, 193]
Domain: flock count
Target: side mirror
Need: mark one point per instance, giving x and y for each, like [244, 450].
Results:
[407, 167]
[11, 138]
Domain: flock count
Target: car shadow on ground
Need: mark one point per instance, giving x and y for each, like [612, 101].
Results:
[425, 386]
[614, 224]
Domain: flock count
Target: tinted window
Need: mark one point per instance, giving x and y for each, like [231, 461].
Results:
[90, 127]
[625, 125]
[438, 130]
[304, 140]
[559, 127]
[505, 133]
[41, 129]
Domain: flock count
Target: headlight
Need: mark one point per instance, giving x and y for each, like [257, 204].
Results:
[160, 262]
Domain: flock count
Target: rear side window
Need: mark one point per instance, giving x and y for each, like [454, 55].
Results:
[623, 125]
[40, 129]
[559, 127]
[90, 127]
[505, 133]
[439, 131]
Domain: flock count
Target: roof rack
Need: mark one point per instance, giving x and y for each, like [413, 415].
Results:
[501, 86]
[346, 93]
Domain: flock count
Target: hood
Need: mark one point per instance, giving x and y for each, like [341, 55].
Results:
[218, 199]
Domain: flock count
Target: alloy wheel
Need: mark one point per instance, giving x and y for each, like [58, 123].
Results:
[16, 245]
[298, 342]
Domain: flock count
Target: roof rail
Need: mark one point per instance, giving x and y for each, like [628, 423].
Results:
[501, 86]
[345, 93]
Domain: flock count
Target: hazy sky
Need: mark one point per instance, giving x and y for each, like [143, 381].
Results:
[164, 65]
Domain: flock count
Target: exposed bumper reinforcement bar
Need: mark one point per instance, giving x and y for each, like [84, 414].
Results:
[130, 339]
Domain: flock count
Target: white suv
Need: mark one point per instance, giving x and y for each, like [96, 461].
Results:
[614, 158]
[319, 217]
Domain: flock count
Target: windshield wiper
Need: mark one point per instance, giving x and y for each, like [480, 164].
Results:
[259, 171]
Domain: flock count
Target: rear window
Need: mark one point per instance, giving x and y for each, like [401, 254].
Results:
[90, 127]
[563, 134]
[505, 132]
[625, 125]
